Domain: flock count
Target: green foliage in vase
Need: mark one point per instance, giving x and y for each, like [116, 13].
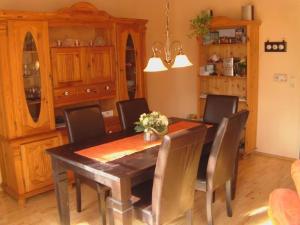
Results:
[152, 122]
[200, 25]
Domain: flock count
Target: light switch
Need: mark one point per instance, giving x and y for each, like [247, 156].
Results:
[280, 77]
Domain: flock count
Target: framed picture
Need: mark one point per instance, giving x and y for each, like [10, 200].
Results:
[214, 36]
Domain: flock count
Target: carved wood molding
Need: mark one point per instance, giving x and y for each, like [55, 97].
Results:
[83, 8]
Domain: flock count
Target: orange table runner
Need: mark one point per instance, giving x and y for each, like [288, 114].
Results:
[126, 146]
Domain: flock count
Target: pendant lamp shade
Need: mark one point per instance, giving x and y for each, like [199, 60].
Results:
[180, 61]
[155, 64]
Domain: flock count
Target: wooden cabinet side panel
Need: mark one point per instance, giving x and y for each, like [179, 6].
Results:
[7, 112]
[252, 87]
[3, 164]
[121, 48]
[11, 168]
[137, 39]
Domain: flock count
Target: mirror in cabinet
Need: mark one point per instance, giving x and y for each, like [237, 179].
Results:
[32, 76]
[130, 67]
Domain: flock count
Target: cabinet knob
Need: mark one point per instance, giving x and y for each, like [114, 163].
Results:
[66, 93]
[110, 131]
[107, 87]
[88, 90]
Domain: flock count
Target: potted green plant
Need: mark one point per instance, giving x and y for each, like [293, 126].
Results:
[200, 25]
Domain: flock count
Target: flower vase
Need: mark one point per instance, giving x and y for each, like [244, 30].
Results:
[149, 135]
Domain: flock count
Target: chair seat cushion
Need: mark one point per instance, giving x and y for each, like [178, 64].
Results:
[284, 207]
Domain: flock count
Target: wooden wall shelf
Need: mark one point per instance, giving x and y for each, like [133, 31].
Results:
[246, 86]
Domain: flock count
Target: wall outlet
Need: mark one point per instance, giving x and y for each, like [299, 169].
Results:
[280, 77]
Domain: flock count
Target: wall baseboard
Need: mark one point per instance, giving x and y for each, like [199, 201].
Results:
[273, 156]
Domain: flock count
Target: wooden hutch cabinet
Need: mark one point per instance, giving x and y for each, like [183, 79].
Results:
[229, 66]
[49, 61]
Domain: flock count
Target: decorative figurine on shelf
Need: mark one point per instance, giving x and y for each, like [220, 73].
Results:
[153, 125]
[214, 58]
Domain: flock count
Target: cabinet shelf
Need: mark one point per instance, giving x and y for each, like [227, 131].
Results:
[222, 77]
[241, 98]
[225, 44]
[30, 52]
[33, 102]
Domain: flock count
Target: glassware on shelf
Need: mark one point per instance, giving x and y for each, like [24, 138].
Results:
[31, 76]
[33, 93]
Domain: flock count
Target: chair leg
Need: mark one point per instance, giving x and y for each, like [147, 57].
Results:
[209, 200]
[228, 198]
[78, 193]
[189, 217]
[101, 194]
[235, 175]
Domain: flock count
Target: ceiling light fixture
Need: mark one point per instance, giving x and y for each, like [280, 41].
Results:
[155, 63]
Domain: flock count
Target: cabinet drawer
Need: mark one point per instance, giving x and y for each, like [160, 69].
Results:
[107, 90]
[64, 95]
[90, 91]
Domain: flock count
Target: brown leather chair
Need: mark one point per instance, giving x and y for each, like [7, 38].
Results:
[221, 163]
[130, 111]
[172, 193]
[83, 123]
[219, 106]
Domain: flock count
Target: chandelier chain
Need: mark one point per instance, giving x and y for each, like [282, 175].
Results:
[168, 58]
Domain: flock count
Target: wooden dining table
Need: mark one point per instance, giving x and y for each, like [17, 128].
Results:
[119, 174]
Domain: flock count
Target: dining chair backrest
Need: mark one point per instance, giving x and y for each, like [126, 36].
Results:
[219, 106]
[175, 174]
[130, 111]
[224, 149]
[84, 122]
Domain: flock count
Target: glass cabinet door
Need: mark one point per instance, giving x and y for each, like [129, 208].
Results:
[32, 76]
[131, 58]
[130, 63]
[30, 73]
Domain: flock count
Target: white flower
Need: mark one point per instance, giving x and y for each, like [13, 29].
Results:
[164, 120]
[145, 122]
[154, 113]
[142, 116]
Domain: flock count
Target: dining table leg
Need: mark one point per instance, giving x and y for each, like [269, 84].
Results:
[61, 191]
[120, 202]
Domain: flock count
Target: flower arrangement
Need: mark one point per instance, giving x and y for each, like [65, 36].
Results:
[152, 122]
